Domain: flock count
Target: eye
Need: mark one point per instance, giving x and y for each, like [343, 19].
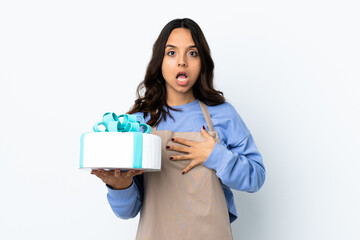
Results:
[171, 53]
[193, 53]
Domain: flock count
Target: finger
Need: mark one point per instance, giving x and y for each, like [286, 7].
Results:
[138, 172]
[103, 172]
[181, 157]
[105, 175]
[99, 175]
[189, 167]
[205, 133]
[128, 173]
[117, 173]
[182, 141]
[178, 148]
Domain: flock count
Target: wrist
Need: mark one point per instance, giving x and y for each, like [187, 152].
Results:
[121, 186]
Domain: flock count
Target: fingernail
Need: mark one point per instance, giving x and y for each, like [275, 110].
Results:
[171, 158]
[203, 127]
[167, 147]
[172, 139]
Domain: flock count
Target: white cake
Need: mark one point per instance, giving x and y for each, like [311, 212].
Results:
[120, 150]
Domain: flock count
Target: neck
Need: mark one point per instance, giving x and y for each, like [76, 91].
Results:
[179, 99]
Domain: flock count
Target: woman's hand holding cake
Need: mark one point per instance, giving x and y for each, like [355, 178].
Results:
[117, 179]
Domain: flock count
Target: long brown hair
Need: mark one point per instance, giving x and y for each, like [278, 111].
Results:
[151, 92]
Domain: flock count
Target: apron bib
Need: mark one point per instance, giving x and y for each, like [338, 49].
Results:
[190, 206]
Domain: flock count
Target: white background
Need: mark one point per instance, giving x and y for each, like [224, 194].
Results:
[290, 68]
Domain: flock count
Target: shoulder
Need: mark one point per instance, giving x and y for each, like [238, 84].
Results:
[225, 112]
[225, 109]
[228, 123]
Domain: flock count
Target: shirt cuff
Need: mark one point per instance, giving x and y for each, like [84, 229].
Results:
[218, 158]
[123, 193]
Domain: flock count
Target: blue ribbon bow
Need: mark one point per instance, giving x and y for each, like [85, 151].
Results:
[130, 123]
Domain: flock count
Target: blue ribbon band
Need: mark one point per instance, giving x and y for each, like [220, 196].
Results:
[138, 147]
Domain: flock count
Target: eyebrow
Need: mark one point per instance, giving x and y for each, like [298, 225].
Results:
[192, 46]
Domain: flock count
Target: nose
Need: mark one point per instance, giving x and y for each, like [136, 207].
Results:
[182, 60]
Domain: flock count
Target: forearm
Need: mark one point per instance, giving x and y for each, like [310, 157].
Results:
[125, 203]
[240, 169]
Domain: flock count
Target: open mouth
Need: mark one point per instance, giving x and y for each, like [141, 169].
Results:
[182, 76]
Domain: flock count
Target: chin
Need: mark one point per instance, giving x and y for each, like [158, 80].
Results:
[182, 90]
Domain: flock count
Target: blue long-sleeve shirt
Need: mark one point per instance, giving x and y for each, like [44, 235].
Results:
[236, 160]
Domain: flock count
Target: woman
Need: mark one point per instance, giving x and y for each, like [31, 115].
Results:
[190, 198]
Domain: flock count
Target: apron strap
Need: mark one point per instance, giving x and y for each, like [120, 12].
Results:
[209, 122]
[206, 115]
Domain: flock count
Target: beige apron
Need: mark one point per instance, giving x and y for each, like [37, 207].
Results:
[187, 207]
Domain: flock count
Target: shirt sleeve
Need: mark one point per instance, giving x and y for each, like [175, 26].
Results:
[236, 159]
[127, 203]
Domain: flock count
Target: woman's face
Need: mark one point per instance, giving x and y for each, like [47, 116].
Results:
[181, 64]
